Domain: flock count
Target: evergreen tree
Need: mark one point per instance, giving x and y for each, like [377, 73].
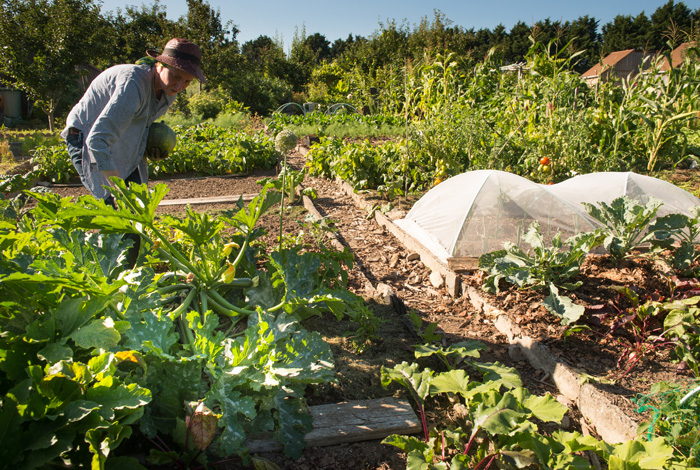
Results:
[583, 32]
[625, 32]
[670, 22]
[518, 44]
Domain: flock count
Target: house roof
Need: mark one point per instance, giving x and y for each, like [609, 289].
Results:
[609, 61]
[677, 56]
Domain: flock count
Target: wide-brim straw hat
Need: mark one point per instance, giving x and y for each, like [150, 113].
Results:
[181, 54]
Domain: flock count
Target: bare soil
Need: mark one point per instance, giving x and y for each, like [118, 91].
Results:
[380, 258]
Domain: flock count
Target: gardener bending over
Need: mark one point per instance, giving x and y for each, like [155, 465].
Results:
[106, 132]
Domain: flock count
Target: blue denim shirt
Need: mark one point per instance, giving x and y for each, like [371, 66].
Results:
[114, 116]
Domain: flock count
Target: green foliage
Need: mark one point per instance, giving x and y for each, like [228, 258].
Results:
[674, 408]
[546, 265]
[682, 325]
[207, 149]
[262, 94]
[362, 164]
[52, 164]
[338, 125]
[43, 44]
[499, 423]
[462, 116]
[626, 224]
[680, 233]
[207, 104]
[96, 350]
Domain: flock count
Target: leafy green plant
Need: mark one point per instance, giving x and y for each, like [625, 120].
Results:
[673, 410]
[682, 321]
[543, 266]
[497, 422]
[68, 391]
[643, 333]
[680, 233]
[626, 224]
[208, 149]
[195, 332]
[52, 164]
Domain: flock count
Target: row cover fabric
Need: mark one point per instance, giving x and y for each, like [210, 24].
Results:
[478, 211]
[607, 186]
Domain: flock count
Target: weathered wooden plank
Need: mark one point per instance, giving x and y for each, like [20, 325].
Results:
[352, 421]
[463, 264]
[207, 200]
[311, 208]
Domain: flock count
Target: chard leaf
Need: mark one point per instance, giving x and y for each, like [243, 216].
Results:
[520, 458]
[406, 443]
[454, 381]
[499, 374]
[653, 454]
[410, 376]
[79, 409]
[545, 407]
[501, 421]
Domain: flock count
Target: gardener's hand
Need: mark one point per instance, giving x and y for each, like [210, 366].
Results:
[155, 154]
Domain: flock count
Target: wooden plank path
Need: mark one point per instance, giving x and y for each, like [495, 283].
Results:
[352, 421]
[232, 199]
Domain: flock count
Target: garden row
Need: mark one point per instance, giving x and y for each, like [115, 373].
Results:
[645, 324]
[102, 340]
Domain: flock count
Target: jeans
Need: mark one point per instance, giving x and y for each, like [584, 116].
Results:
[74, 143]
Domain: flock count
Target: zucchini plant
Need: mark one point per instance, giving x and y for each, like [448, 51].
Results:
[96, 352]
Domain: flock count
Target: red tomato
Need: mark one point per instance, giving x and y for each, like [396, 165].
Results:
[544, 161]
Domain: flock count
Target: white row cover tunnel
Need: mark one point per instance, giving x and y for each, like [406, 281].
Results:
[478, 211]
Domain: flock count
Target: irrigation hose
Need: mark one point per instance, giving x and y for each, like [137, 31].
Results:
[690, 394]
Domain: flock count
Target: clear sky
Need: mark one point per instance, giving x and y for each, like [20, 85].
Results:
[279, 19]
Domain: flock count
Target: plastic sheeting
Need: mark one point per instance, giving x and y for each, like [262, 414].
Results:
[595, 187]
[478, 211]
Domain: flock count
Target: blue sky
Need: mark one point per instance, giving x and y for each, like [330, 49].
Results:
[279, 19]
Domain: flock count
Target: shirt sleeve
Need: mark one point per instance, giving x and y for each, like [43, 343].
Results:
[125, 102]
